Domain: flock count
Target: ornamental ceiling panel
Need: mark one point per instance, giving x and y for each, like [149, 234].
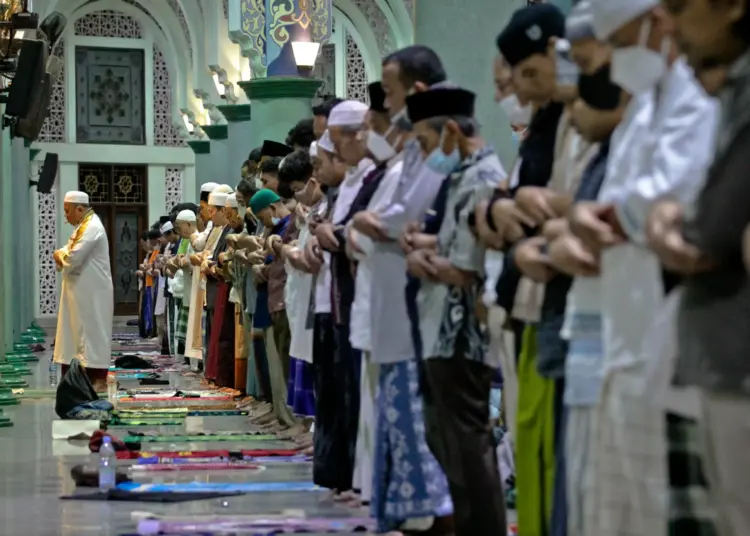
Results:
[110, 96]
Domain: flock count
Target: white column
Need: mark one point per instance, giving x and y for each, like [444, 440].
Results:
[188, 185]
[68, 180]
[157, 179]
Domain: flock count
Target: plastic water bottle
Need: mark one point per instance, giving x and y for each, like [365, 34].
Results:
[112, 388]
[52, 373]
[107, 458]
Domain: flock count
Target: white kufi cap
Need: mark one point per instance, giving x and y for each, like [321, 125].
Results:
[80, 198]
[186, 215]
[349, 113]
[222, 189]
[611, 15]
[325, 143]
[208, 187]
[232, 201]
[217, 199]
[166, 227]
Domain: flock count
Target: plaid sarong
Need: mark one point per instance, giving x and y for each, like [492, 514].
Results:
[690, 513]
[180, 329]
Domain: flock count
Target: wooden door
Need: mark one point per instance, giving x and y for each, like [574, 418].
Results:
[118, 196]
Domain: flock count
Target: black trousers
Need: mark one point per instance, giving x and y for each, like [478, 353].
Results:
[457, 420]
[332, 462]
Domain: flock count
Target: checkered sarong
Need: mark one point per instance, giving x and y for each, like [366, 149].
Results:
[690, 513]
[180, 328]
[630, 464]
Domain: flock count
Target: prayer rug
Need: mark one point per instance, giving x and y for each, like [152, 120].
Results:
[197, 466]
[197, 438]
[258, 460]
[262, 524]
[177, 412]
[239, 487]
[167, 456]
[146, 422]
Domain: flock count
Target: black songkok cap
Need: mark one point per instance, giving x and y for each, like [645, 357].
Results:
[439, 103]
[528, 32]
[377, 97]
[275, 149]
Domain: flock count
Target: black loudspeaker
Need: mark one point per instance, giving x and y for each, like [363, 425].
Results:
[32, 64]
[30, 125]
[47, 174]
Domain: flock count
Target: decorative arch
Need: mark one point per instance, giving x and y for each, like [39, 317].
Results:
[403, 18]
[165, 34]
[357, 25]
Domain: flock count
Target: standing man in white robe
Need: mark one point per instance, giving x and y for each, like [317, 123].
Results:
[668, 159]
[84, 321]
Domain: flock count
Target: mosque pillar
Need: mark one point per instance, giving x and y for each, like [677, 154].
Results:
[468, 58]
[238, 136]
[280, 91]
[278, 104]
[203, 171]
[219, 155]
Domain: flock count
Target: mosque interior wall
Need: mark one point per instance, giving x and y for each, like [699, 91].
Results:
[178, 39]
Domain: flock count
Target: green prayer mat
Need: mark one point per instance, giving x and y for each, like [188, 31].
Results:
[21, 358]
[180, 413]
[12, 382]
[5, 421]
[197, 438]
[138, 422]
[7, 399]
[17, 369]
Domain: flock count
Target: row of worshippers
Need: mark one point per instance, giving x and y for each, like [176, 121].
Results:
[603, 276]
[617, 308]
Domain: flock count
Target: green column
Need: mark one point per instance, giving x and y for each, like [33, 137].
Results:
[220, 171]
[278, 103]
[239, 131]
[468, 59]
[202, 150]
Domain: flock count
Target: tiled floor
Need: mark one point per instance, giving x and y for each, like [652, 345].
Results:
[35, 471]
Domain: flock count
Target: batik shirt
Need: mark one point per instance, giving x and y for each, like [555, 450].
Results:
[448, 322]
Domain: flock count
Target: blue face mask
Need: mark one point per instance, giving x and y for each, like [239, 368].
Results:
[442, 163]
[516, 138]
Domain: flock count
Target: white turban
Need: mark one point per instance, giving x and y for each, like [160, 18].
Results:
[349, 113]
[222, 189]
[232, 201]
[186, 215]
[217, 199]
[611, 15]
[325, 143]
[208, 187]
[79, 198]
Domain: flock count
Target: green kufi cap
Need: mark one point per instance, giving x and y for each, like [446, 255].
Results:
[263, 199]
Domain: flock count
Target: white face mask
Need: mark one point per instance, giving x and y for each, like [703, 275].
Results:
[517, 114]
[379, 147]
[638, 68]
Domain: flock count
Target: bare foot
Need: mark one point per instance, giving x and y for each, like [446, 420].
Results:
[345, 496]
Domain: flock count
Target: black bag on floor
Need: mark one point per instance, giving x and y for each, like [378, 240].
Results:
[75, 388]
[133, 362]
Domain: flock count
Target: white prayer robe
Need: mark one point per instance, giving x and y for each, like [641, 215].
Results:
[198, 243]
[670, 160]
[85, 315]
[297, 293]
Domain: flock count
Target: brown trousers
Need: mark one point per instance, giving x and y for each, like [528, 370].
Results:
[457, 422]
